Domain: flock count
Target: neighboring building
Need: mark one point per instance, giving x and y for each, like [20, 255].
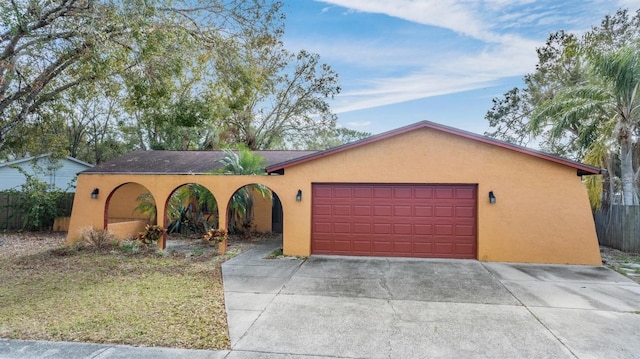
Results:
[59, 174]
[424, 190]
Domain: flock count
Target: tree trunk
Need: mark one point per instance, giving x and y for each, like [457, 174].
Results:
[626, 173]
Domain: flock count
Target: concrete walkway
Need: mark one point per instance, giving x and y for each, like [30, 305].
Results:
[354, 307]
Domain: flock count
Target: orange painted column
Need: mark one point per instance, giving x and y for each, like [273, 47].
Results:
[161, 216]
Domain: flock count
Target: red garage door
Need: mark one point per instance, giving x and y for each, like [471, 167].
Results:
[394, 220]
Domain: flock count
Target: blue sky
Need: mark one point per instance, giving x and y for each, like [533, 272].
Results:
[404, 61]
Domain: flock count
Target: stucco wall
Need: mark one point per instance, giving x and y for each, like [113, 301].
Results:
[127, 230]
[542, 214]
[261, 212]
[123, 203]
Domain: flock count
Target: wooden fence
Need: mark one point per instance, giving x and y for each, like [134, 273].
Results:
[13, 220]
[619, 227]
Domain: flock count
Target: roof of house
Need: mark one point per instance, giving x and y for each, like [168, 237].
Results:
[181, 162]
[582, 169]
[32, 158]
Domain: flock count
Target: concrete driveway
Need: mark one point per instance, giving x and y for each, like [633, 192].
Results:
[353, 307]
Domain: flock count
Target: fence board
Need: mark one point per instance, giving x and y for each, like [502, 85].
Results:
[619, 227]
[11, 220]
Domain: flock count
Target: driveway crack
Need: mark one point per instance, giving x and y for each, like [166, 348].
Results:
[395, 319]
[529, 310]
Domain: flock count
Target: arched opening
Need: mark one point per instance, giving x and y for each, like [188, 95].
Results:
[191, 211]
[277, 216]
[255, 213]
[129, 208]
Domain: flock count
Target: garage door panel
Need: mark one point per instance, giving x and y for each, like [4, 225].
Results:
[362, 192]
[382, 246]
[402, 247]
[465, 193]
[322, 192]
[443, 229]
[423, 248]
[467, 249]
[394, 220]
[382, 192]
[322, 227]
[322, 244]
[464, 230]
[402, 211]
[322, 209]
[422, 211]
[342, 192]
[341, 210]
[422, 229]
[361, 247]
[382, 228]
[342, 228]
[382, 210]
[361, 228]
[402, 229]
[361, 210]
[423, 192]
[465, 212]
[443, 248]
[444, 193]
[342, 245]
[402, 193]
[443, 211]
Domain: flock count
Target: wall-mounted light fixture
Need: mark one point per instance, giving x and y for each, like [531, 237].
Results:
[299, 196]
[94, 194]
[492, 197]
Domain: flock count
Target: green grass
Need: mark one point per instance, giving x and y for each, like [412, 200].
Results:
[114, 297]
[275, 254]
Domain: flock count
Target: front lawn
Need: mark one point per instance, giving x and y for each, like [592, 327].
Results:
[108, 296]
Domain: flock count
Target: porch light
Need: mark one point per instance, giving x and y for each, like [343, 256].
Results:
[299, 196]
[94, 194]
[492, 197]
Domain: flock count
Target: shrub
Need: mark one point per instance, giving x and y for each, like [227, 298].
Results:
[150, 235]
[97, 238]
[132, 247]
[36, 203]
[215, 236]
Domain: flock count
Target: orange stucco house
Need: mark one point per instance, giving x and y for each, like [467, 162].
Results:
[424, 190]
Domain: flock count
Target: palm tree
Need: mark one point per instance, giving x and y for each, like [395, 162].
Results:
[243, 162]
[621, 74]
[602, 111]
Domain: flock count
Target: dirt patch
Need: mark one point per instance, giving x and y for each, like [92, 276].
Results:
[195, 245]
[625, 263]
[19, 244]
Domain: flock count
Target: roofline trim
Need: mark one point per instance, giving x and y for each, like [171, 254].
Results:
[166, 173]
[583, 169]
[43, 155]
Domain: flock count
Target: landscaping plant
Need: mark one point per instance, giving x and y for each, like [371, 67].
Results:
[150, 235]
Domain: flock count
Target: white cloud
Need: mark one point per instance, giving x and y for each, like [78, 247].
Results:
[632, 5]
[412, 87]
[463, 17]
[503, 49]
